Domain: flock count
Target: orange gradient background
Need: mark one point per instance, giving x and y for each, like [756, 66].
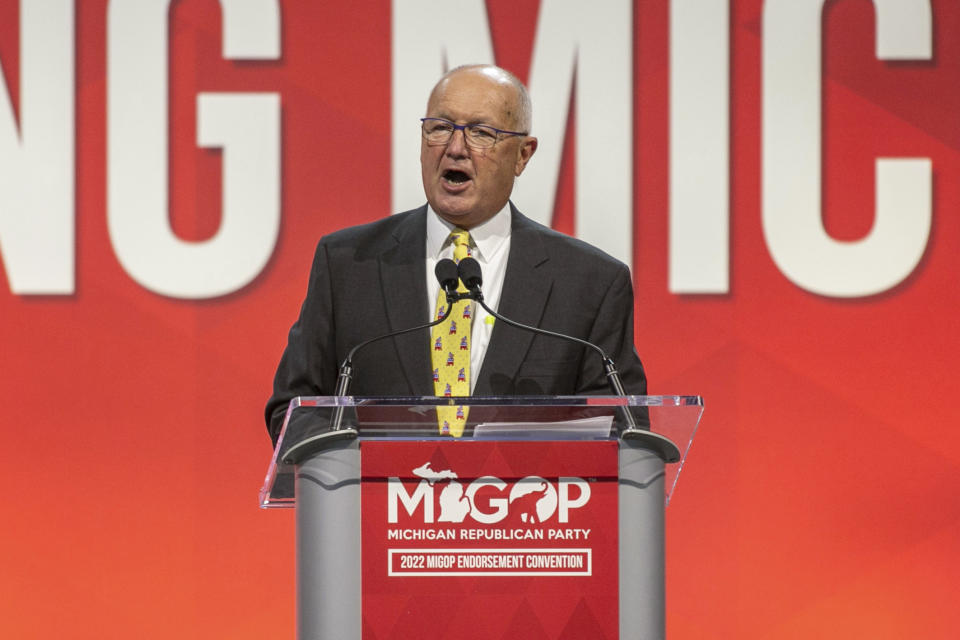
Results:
[820, 499]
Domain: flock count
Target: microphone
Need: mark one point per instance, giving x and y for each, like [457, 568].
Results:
[446, 273]
[447, 276]
[472, 277]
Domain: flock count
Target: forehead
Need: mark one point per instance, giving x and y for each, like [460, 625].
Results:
[474, 97]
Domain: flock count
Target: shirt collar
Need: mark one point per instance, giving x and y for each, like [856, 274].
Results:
[486, 237]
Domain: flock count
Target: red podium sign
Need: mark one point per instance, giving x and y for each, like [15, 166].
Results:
[467, 539]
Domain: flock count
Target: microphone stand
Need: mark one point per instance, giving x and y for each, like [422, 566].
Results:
[609, 367]
[346, 368]
[472, 278]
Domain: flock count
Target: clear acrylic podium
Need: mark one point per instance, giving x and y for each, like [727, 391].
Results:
[316, 467]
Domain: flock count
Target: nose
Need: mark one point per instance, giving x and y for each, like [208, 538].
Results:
[457, 146]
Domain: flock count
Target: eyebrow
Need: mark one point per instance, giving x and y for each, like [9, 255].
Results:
[468, 122]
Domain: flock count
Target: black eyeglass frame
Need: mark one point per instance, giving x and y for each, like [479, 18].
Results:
[464, 127]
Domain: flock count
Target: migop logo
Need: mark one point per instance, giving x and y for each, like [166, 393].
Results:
[531, 499]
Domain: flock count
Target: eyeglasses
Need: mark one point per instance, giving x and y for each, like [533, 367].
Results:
[437, 131]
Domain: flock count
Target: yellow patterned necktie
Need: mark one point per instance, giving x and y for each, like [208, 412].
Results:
[450, 348]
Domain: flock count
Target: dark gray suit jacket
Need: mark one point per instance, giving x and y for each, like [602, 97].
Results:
[369, 280]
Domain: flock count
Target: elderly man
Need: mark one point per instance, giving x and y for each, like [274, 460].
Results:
[376, 278]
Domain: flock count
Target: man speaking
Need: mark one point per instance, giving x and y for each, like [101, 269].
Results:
[378, 278]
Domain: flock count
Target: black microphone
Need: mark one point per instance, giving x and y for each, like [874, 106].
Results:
[472, 277]
[446, 273]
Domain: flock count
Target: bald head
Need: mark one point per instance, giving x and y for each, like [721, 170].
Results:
[466, 180]
[518, 108]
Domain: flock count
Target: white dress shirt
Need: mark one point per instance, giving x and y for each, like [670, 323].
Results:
[490, 243]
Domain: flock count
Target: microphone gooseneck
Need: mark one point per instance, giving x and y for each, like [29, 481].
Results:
[445, 270]
[472, 277]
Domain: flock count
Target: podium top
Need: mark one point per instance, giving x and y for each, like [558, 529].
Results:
[314, 423]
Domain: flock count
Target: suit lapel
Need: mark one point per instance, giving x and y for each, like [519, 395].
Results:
[404, 291]
[524, 296]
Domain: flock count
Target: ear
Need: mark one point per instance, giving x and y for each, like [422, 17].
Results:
[527, 148]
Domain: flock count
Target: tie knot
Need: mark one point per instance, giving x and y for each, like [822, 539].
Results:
[461, 244]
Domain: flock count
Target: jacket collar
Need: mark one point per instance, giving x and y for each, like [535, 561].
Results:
[523, 299]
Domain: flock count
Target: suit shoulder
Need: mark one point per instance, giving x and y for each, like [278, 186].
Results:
[374, 237]
[566, 249]
[372, 231]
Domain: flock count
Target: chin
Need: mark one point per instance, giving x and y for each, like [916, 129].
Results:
[451, 210]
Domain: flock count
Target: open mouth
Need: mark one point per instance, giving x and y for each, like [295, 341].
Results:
[455, 177]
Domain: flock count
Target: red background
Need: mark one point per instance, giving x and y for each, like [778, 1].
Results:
[819, 500]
